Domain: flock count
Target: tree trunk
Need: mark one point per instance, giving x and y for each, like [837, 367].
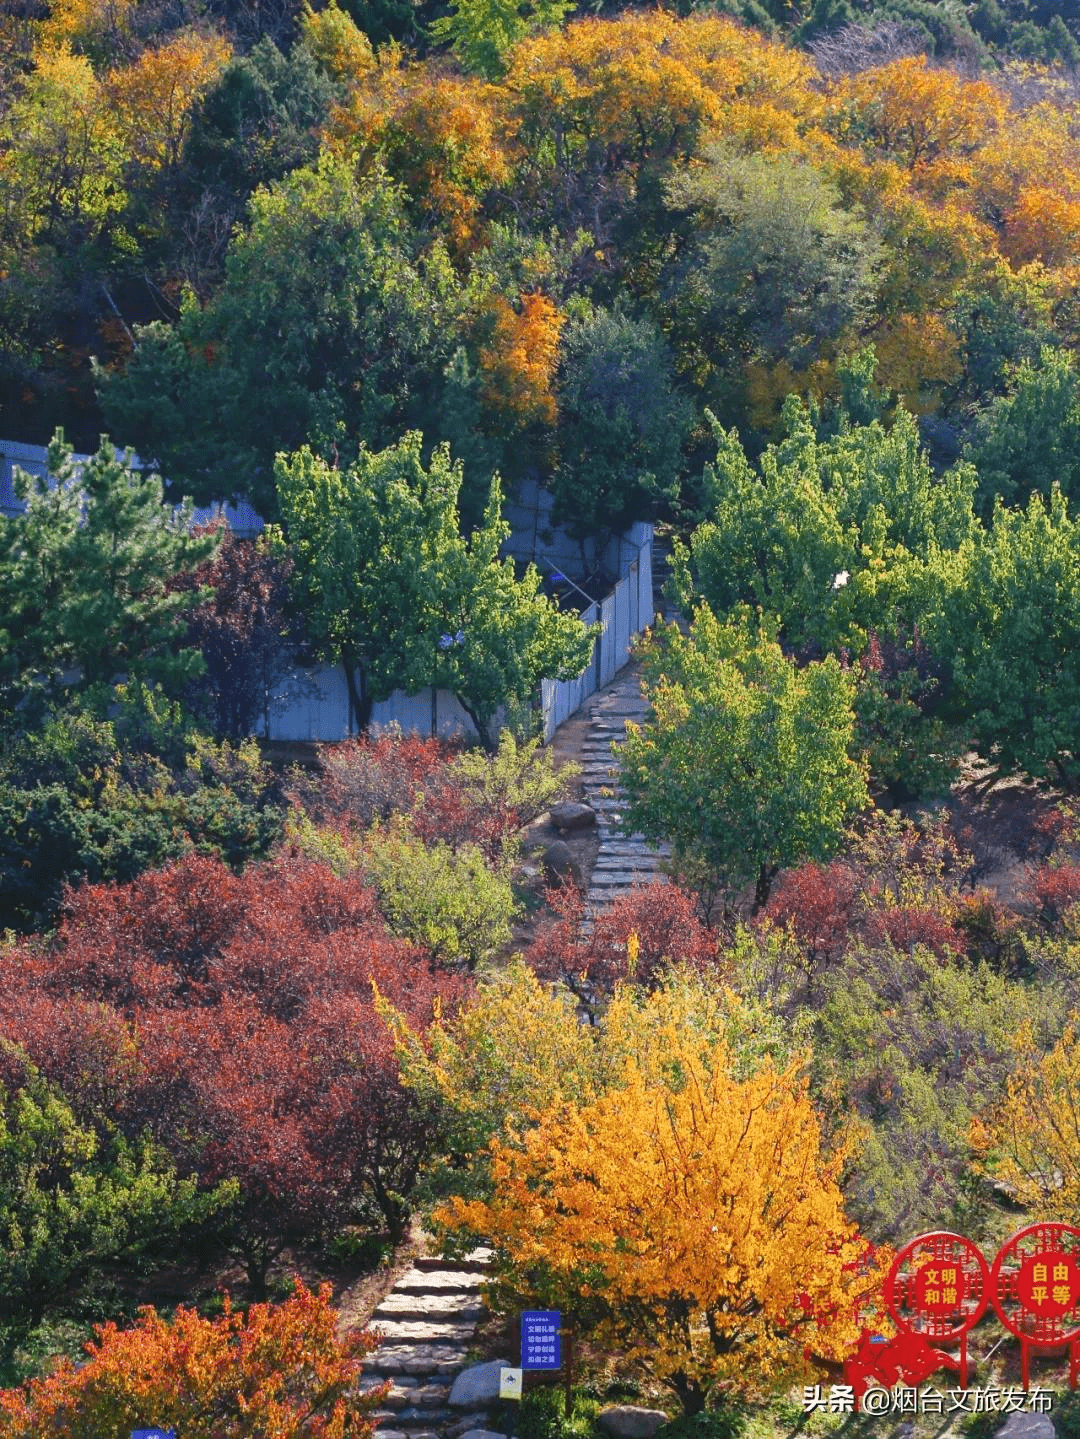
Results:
[690, 1393]
[766, 874]
[360, 701]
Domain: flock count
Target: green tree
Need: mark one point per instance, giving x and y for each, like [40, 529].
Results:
[775, 267]
[912, 1046]
[481, 33]
[621, 424]
[449, 901]
[1028, 439]
[370, 546]
[84, 579]
[1013, 634]
[71, 1201]
[835, 536]
[744, 762]
[503, 636]
[393, 593]
[329, 329]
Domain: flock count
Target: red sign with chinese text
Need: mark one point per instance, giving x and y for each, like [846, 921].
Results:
[1048, 1283]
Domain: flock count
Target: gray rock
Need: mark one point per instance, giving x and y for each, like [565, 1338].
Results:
[1022, 1425]
[572, 816]
[460, 1427]
[559, 864]
[477, 1385]
[482, 1434]
[629, 1421]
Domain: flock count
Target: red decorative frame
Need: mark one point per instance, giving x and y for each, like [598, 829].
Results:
[1035, 1286]
[945, 1295]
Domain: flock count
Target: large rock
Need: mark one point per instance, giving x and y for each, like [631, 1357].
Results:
[477, 1385]
[628, 1421]
[573, 816]
[559, 864]
[1025, 1425]
[482, 1434]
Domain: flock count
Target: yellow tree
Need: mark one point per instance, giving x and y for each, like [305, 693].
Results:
[153, 98]
[687, 1218]
[1034, 1133]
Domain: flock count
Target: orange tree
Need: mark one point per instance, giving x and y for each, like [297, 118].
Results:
[686, 1217]
[280, 1372]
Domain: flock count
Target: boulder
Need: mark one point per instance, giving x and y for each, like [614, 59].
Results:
[629, 1421]
[573, 816]
[477, 1385]
[1025, 1425]
[482, 1434]
[559, 864]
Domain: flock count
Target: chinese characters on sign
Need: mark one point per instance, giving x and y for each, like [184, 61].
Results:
[540, 1339]
[841, 1399]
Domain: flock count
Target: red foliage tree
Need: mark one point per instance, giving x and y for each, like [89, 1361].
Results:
[234, 1017]
[591, 959]
[247, 631]
[278, 1369]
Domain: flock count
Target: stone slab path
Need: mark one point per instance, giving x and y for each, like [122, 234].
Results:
[427, 1322]
[623, 861]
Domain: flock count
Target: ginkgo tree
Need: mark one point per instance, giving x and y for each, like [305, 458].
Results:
[686, 1218]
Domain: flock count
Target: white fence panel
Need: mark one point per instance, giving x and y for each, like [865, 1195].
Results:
[622, 623]
[608, 662]
[310, 705]
[646, 613]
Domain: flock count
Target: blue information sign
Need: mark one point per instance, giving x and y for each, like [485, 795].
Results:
[153, 1434]
[540, 1339]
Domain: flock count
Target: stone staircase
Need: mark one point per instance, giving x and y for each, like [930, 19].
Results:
[427, 1321]
[623, 861]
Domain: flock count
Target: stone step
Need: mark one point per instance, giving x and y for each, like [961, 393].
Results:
[397, 1432]
[439, 1306]
[423, 1331]
[477, 1259]
[408, 1394]
[440, 1281]
[418, 1360]
[403, 1418]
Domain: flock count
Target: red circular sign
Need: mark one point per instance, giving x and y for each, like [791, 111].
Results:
[1035, 1283]
[1048, 1283]
[938, 1286]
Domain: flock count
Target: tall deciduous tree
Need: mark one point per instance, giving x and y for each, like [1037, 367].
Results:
[392, 592]
[694, 1222]
[744, 762]
[1013, 634]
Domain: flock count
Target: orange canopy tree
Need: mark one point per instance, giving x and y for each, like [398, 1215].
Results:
[687, 1219]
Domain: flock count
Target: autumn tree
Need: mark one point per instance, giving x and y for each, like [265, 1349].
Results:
[1030, 1137]
[246, 631]
[723, 1195]
[276, 1368]
[744, 761]
[236, 1028]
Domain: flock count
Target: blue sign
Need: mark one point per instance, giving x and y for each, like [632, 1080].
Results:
[153, 1434]
[540, 1348]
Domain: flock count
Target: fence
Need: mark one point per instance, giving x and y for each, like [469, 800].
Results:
[623, 614]
[314, 704]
